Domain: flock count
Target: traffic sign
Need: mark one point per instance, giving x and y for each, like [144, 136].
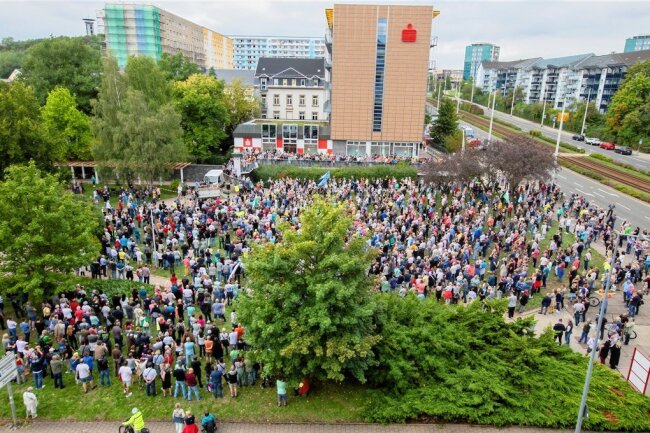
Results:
[8, 371]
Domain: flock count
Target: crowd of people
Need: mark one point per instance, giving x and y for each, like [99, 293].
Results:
[458, 242]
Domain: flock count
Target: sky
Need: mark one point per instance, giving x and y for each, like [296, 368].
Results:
[522, 28]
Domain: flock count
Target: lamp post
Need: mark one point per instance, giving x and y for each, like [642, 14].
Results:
[543, 114]
[512, 106]
[458, 102]
[584, 119]
[462, 149]
[494, 99]
[438, 103]
[592, 358]
[559, 131]
[471, 97]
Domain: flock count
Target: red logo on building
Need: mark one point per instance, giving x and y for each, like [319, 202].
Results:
[248, 142]
[409, 34]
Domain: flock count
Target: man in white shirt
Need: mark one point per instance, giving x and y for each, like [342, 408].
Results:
[84, 375]
[11, 327]
[149, 375]
[126, 376]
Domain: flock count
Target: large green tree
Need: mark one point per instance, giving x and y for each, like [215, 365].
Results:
[628, 115]
[309, 313]
[446, 124]
[21, 134]
[73, 63]
[200, 100]
[136, 125]
[45, 231]
[65, 125]
[242, 105]
[177, 68]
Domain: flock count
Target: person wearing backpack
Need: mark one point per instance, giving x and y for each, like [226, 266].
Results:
[209, 423]
[104, 371]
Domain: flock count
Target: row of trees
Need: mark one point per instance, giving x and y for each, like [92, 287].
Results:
[627, 121]
[69, 103]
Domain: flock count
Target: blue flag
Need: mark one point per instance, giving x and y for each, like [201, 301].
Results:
[323, 179]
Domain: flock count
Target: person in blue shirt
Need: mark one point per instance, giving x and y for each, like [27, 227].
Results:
[209, 423]
[24, 326]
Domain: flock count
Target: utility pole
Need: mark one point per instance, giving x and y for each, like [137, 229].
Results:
[438, 103]
[471, 98]
[584, 119]
[512, 106]
[543, 114]
[458, 103]
[494, 99]
[601, 314]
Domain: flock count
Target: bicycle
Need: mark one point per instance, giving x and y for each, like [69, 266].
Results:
[129, 429]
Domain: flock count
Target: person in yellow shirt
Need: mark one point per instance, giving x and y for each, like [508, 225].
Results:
[136, 421]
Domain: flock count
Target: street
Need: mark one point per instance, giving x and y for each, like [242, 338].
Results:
[640, 161]
[627, 208]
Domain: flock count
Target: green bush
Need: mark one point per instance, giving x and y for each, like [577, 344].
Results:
[400, 171]
[472, 108]
[535, 133]
[466, 364]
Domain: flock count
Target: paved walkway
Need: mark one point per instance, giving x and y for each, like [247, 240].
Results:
[615, 307]
[167, 427]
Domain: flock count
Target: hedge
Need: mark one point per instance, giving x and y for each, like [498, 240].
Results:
[398, 171]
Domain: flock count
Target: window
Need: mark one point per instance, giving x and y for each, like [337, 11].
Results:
[269, 134]
[380, 63]
[289, 100]
[263, 83]
[276, 99]
[314, 101]
[276, 114]
[301, 115]
[301, 100]
[275, 82]
[310, 134]
[302, 82]
[284, 81]
[293, 82]
[263, 100]
[290, 137]
[355, 147]
[316, 82]
[314, 115]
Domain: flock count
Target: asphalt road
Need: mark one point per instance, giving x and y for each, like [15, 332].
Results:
[641, 161]
[627, 208]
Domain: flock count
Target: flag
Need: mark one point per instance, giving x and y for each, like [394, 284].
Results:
[506, 197]
[323, 179]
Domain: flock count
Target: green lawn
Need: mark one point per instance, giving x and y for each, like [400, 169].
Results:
[329, 404]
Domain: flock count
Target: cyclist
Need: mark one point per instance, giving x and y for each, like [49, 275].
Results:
[209, 423]
[136, 421]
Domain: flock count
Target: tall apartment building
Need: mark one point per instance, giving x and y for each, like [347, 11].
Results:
[144, 30]
[637, 43]
[248, 49]
[564, 79]
[379, 66]
[477, 53]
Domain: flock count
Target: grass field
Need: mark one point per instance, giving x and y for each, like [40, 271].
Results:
[329, 404]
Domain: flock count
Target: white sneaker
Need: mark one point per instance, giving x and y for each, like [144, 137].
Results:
[129, 394]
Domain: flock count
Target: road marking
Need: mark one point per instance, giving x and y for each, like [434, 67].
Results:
[623, 206]
[648, 218]
[599, 195]
[607, 192]
[584, 193]
[561, 177]
[581, 186]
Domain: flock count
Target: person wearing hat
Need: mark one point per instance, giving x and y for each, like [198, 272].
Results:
[31, 402]
[136, 421]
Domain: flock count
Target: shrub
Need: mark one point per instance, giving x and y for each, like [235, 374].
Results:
[472, 108]
[400, 171]
[465, 363]
[535, 133]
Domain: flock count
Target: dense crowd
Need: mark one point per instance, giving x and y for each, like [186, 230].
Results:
[459, 243]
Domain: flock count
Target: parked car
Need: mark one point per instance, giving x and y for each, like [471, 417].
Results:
[592, 141]
[578, 137]
[623, 150]
[607, 146]
[475, 142]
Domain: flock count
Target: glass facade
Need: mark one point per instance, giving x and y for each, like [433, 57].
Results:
[380, 65]
[132, 30]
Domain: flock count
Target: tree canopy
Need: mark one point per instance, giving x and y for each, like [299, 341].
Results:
[21, 133]
[177, 68]
[137, 128]
[200, 100]
[73, 63]
[446, 124]
[628, 114]
[242, 106]
[45, 231]
[309, 313]
[67, 127]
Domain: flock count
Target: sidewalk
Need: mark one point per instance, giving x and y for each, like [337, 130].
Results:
[615, 307]
[167, 427]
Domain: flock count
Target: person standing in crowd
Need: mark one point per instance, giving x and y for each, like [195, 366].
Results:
[31, 402]
[178, 418]
[567, 332]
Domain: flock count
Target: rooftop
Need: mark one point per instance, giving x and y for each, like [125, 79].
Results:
[246, 76]
[283, 66]
[515, 64]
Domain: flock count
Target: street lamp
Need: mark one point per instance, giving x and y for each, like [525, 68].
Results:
[494, 99]
[512, 106]
[471, 98]
[438, 103]
[584, 119]
[543, 114]
[559, 131]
